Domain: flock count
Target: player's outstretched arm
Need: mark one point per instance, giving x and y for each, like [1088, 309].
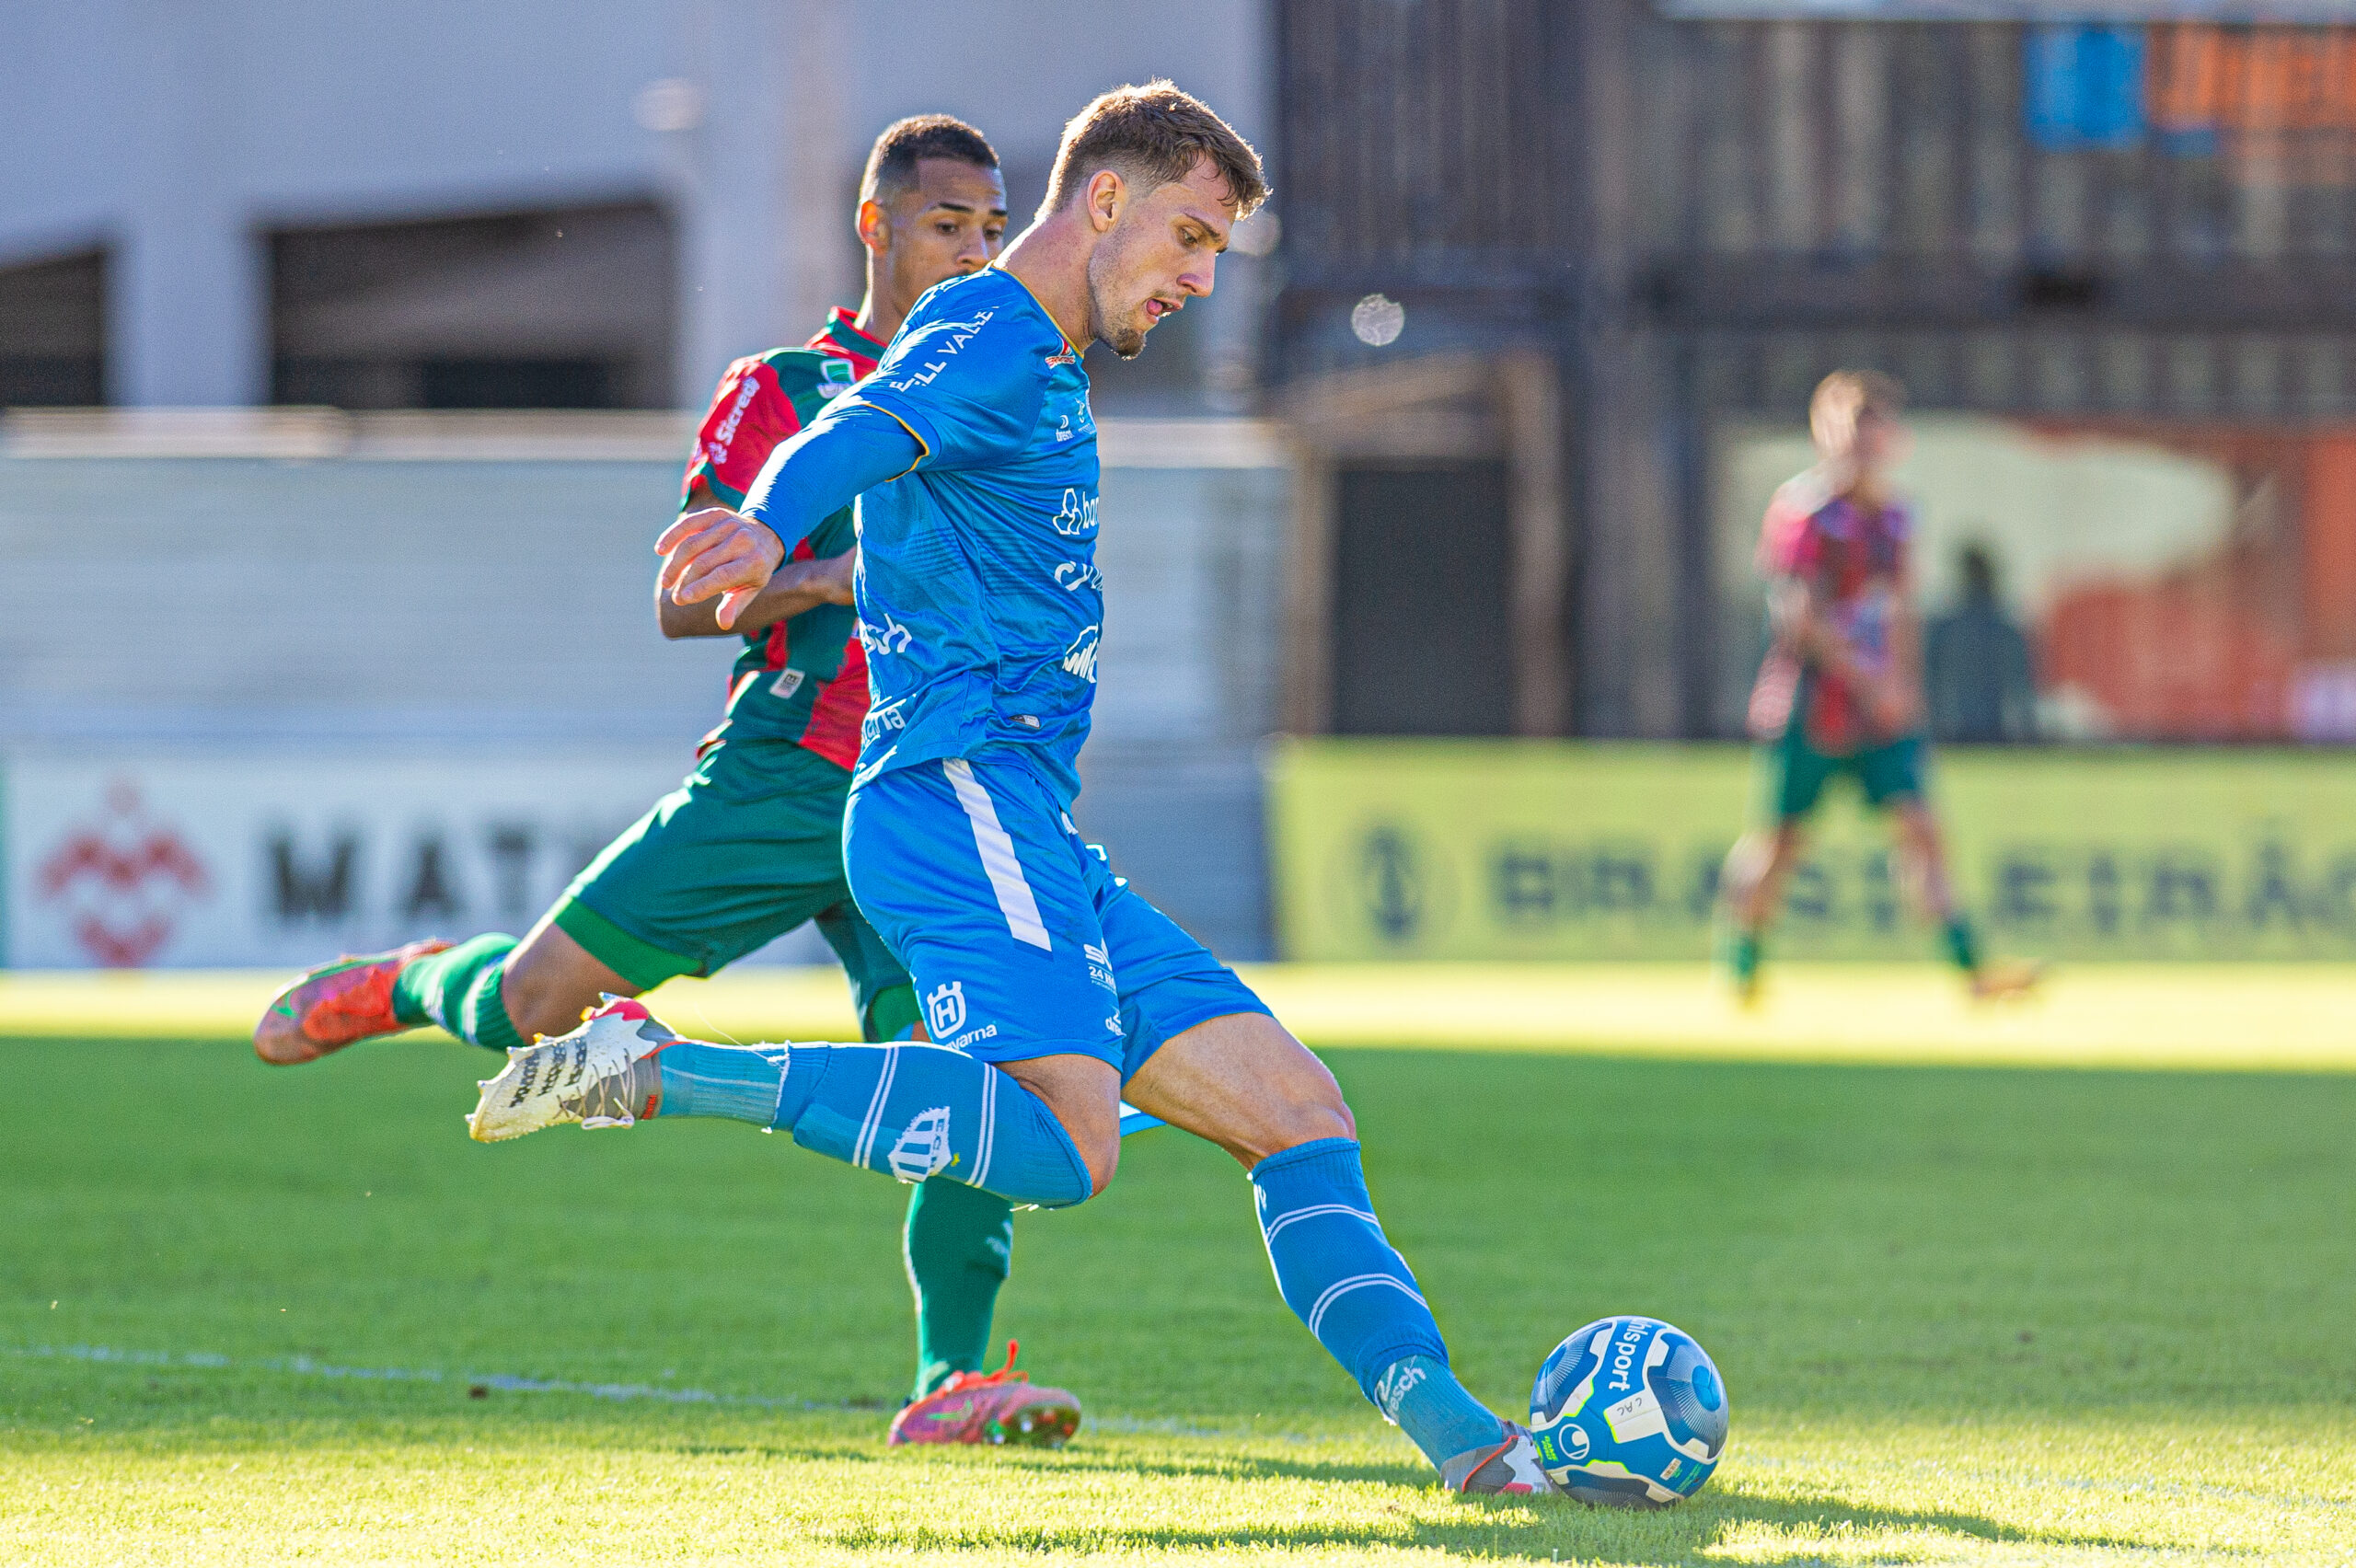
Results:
[731, 556]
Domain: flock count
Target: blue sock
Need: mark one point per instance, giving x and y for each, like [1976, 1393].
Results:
[909, 1111]
[1422, 1397]
[721, 1080]
[1358, 1296]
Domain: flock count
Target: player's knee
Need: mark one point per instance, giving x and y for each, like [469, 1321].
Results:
[1309, 1108]
[1103, 1157]
[539, 1000]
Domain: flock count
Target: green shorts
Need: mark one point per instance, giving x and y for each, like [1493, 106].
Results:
[1796, 773]
[747, 848]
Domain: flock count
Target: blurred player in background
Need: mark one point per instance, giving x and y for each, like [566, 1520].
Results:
[750, 847]
[1840, 690]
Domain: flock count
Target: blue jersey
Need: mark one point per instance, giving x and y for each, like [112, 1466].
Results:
[979, 601]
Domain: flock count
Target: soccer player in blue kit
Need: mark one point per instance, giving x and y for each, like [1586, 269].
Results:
[1052, 990]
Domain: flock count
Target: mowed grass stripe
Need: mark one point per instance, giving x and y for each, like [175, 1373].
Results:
[2299, 1018]
[1966, 1314]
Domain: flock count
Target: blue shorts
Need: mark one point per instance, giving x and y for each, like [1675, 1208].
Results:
[1023, 941]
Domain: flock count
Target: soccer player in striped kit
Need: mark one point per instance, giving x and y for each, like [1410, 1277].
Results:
[1840, 690]
[750, 847]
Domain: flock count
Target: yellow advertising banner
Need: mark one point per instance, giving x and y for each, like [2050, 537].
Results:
[1542, 849]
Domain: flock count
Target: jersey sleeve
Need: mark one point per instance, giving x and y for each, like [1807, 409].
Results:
[753, 413]
[1790, 544]
[967, 381]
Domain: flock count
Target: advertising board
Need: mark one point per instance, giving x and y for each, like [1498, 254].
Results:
[165, 859]
[1453, 849]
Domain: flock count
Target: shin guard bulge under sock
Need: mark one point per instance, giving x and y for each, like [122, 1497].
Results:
[1343, 1277]
[1336, 1270]
[909, 1111]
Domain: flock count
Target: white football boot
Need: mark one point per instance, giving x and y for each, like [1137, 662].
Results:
[601, 1075]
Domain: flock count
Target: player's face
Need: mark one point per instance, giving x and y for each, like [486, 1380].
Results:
[953, 221]
[1880, 442]
[1162, 251]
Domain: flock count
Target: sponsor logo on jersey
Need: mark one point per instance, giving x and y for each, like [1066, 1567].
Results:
[1066, 357]
[1071, 576]
[1077, 519]
[835, 377]
[890, 716]
[945, 1010]
[892, 637]
[747, 390]
[1079, 659]
[1100, 969]
[789, 681]
[946, 350]
[922, 1147]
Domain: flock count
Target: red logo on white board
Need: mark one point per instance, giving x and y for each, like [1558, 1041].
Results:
[125, 880]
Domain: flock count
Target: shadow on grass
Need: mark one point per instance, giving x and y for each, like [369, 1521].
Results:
[1813, 1528]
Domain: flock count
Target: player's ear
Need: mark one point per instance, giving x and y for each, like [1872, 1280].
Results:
[874, 227]
[1105, 192]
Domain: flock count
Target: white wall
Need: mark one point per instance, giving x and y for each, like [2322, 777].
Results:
[177, 132]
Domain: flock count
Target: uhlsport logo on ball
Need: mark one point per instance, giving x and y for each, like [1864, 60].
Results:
[1629, 1412]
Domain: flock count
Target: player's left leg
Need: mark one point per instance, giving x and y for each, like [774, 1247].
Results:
[1893, 780]
[1205, 1054]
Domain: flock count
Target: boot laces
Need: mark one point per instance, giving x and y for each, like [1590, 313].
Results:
[959, 1381]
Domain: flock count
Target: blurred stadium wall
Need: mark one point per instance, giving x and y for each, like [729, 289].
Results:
[1558, 279]
[1521, 347]
[345, 679]
[521, 202]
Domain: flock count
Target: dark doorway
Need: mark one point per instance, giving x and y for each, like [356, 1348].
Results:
[52, 332]
[561, 308]
[1420, 597]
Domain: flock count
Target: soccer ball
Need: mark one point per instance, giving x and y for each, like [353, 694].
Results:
[1629, 1412]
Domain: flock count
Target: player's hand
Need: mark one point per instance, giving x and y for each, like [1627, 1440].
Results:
[1894, 705]
[833, 581]
[718, 551]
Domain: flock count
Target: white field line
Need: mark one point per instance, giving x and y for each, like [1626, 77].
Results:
[304, 1367]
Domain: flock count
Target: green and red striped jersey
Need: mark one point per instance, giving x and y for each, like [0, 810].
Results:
[804, 678]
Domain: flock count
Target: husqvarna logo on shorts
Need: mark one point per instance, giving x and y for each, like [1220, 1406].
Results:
[945, 1010]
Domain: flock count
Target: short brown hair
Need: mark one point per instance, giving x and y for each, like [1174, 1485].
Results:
[1150, 135]
[1841, 397]
[892, 162]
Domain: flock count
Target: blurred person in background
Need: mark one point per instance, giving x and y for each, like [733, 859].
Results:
[1976, 664]
[1840, 690]
[750, 847]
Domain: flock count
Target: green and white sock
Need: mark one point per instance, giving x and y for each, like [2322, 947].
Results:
[1962, 945]
[960, 1245]
[459, 989]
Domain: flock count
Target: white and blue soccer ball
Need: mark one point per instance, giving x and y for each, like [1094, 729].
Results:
[1629, 1412]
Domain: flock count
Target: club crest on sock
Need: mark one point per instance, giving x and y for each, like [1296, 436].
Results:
[922, 1147]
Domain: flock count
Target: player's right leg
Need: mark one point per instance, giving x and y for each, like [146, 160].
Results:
[1792, 775]
[1893, 780]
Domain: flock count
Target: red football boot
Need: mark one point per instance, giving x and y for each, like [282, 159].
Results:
[328, 1007]
[994, 1407]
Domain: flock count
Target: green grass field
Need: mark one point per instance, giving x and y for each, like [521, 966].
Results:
[1981, 1313]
